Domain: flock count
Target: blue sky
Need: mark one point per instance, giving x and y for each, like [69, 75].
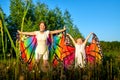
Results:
[99, 16]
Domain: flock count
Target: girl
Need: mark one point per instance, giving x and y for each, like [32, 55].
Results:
[80, 56]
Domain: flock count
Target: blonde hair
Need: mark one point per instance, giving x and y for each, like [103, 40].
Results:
[81, 39]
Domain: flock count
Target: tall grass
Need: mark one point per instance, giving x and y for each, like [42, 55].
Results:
[1, 27]
[108, 70]
[4, 30]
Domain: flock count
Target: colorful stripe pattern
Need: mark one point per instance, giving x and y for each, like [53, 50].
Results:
[60, 52]
[27, 48]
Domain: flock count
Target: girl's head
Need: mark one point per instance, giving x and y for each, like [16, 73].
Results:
[79, 41]
[42, 26]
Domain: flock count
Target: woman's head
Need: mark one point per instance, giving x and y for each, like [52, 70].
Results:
[42, 26]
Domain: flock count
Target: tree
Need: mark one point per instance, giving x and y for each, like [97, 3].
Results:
[16, 12]
[55, 19]
[40, 13]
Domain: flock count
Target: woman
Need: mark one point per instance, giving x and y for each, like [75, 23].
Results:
[80, 56]
[42, 35]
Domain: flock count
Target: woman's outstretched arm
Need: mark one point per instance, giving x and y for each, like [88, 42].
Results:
[26, 33]
[57, 31]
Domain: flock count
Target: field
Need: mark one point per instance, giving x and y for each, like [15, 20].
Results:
[109, 69]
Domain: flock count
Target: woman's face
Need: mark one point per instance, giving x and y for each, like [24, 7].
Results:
[42, 27]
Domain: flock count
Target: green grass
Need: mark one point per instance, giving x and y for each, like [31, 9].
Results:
[10, 69]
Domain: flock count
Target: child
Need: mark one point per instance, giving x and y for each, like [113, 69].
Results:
[80, 56]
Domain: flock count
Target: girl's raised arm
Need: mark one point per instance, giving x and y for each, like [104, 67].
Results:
[87, 38]
[71, 38]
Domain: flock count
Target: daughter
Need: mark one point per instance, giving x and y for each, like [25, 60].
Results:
[80, 56]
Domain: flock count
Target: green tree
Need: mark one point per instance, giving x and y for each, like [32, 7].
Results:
[40, 13]
[55, 20]
[16, 12]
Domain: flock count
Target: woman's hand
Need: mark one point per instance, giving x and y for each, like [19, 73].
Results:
[19, 31]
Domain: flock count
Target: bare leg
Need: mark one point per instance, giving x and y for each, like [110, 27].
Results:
[45, 66]
[45, 62]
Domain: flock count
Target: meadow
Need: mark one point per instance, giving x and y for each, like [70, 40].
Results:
[109, 69]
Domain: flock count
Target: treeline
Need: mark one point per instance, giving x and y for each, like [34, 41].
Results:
[110, 46]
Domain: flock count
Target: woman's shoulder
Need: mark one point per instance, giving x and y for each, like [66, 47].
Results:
[47, 31]
[36, 32]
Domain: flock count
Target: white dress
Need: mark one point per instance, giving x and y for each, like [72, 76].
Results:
[41, 48]
[80, 55]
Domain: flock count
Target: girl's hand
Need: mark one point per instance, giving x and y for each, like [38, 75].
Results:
[91, 32]
[67, 34]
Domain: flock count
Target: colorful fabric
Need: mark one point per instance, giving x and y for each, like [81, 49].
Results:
[27, 49]
[94, 52]
[60, 52]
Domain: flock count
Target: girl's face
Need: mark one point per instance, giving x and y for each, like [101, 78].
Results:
[79, 41]
[42, 27]
[93, 41]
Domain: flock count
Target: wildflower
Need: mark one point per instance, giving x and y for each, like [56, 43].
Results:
[33, 71]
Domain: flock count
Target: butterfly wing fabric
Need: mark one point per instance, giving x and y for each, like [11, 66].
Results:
[61, 52]
[94, 51]
[27, 49]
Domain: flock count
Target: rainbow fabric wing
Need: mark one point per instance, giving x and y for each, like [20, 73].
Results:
[49, 42]
[60, 52]
[27, 49]
[94, 51]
